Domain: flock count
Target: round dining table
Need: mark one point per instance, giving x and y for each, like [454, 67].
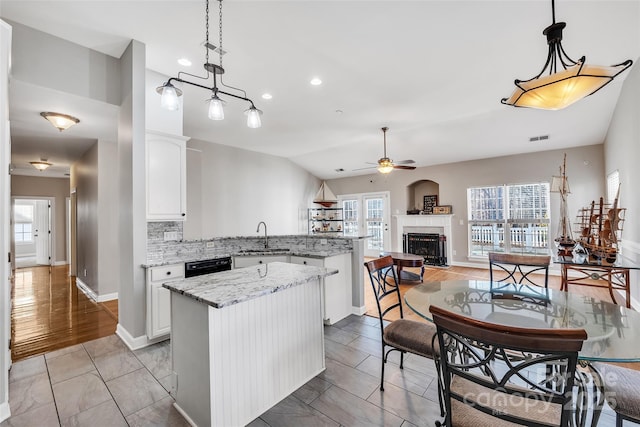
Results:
[613, 331]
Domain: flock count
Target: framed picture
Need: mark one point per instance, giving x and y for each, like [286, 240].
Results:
[430, 202]
[444, 209]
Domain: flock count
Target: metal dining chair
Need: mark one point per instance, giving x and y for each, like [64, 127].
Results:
[620, 386]
[401, 335]
[509, 267]
[495, 375]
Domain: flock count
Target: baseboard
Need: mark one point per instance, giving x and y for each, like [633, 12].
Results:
[107, 297]
[5, 411]
[135, 343]
[91, 293]
[58, 263]
[184, 415]
[86, 290]
[359, 310]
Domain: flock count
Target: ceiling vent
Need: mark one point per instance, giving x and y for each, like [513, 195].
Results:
[539, 138]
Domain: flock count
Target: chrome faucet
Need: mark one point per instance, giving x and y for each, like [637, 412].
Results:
[266, 239]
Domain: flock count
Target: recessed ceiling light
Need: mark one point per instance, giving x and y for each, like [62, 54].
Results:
[266, 96]
[316, 81]
[184, 62]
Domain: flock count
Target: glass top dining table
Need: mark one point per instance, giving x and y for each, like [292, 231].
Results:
[613, 331]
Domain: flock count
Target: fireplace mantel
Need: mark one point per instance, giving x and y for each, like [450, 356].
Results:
[435, 221]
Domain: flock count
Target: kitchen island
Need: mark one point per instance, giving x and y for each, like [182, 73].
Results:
[244, 339]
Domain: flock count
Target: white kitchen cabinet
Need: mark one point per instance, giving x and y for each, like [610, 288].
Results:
[248, 261]
[166, 167]
[337, 288]
[159, 298]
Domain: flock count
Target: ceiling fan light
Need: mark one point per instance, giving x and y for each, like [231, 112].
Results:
[216, 108]
[385, 165]
[561, 89]
[169, 96]
[60, 121]
[253, 117]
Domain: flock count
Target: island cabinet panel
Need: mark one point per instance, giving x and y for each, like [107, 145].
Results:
[233, 363]
[337, 289]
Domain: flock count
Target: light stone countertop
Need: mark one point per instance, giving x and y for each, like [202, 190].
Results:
[329, 252]
[234, 286]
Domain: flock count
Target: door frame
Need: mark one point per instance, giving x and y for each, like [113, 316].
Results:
[52, 222]
[386, 232]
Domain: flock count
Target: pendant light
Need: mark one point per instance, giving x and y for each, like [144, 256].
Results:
[169, 93]
[556, 87]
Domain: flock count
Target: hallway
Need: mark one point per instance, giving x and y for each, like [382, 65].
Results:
[49, 312]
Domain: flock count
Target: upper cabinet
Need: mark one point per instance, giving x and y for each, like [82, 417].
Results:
[166, 166]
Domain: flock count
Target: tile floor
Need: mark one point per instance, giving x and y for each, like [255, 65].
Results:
[103, 383]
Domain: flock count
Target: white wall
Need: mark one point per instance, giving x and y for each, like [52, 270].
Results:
[585, 169]
[5, 206]
[230, 190]
[622, 153]
[156, 117]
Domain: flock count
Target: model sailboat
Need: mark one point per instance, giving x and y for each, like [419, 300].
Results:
[560, 184]
[325, 196]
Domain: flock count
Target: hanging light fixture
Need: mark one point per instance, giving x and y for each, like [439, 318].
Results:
[169, 93]
[554, 88]
[60, 121]
[41, 165]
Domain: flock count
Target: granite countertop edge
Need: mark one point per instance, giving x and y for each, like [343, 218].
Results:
[231, 287]
[302, 253]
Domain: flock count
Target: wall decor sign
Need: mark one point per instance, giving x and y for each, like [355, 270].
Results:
[430, 202]
[444, 209]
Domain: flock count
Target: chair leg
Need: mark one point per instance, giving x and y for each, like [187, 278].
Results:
[384, 360]
[618, 420]
[401, 359]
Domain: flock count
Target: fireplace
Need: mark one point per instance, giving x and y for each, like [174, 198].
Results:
[431, 246]
[427, 224]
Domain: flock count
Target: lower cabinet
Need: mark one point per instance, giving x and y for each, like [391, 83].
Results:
[337, 288]
[159, 298]
[248, 261]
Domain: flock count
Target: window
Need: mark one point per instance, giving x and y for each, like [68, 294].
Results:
[509, 218]
[350, 217]
[23, 223]
[613, 184]
[23, 233]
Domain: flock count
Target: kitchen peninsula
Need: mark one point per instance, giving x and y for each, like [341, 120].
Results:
[244, 339]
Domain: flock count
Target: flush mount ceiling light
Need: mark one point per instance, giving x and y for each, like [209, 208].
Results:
[170, 93]
[554, 88]
[41, 165]
[60, 121]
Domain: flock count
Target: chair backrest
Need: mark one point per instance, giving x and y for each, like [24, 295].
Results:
[520, 375]
[385, 286]
[512, 264]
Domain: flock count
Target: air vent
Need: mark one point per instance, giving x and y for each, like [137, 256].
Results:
[539, 138]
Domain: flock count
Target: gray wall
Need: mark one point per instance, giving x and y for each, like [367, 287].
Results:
[230, 190]
[45, 60]
[132, 226]
[585, 169]
[107, 210]
[34, 186]
[85, 173]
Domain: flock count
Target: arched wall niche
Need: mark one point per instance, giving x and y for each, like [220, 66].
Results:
[416, 192]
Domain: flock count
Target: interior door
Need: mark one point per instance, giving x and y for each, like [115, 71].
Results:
[42, 232]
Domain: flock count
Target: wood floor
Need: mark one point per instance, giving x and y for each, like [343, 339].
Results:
[49, 312]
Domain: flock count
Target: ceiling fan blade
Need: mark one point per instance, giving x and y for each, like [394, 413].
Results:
[368, 167]
[405, 162]
[403, 167]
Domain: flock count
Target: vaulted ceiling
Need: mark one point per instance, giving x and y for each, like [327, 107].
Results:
[432, 71]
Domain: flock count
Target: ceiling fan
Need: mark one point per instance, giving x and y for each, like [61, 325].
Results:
[385, 164]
